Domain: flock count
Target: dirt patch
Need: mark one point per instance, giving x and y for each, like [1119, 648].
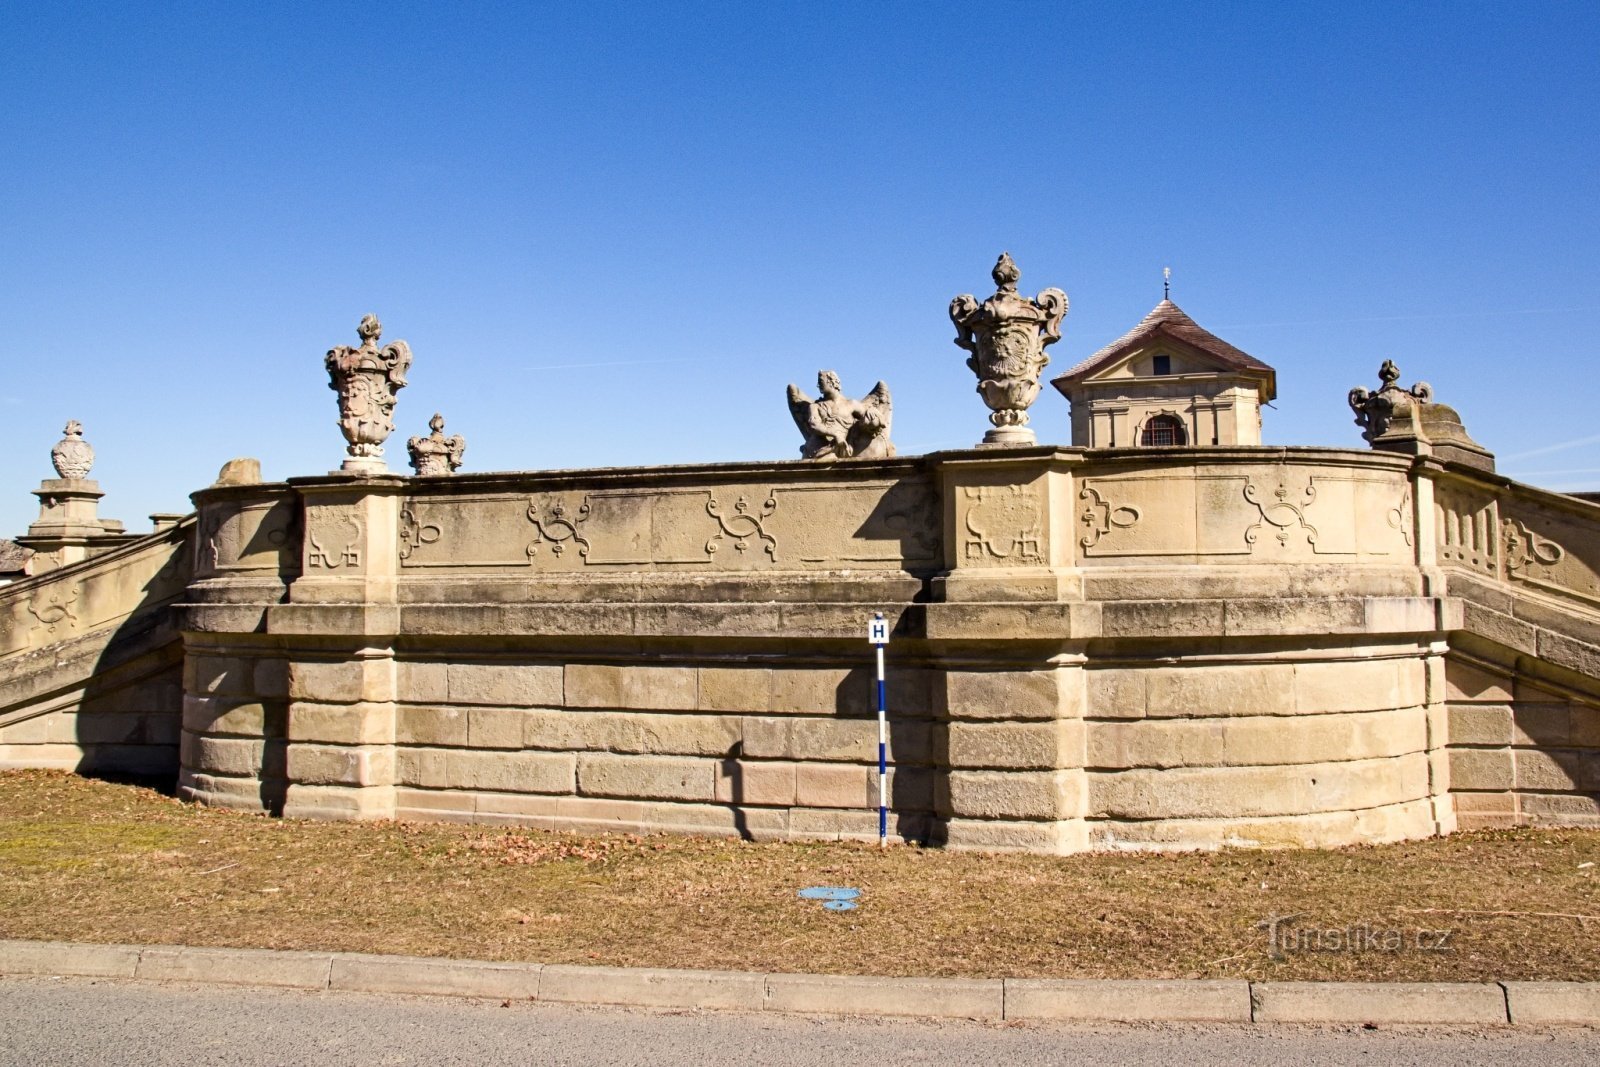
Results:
[83, 860]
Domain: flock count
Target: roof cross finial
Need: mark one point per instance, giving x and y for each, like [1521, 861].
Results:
[1166, 283]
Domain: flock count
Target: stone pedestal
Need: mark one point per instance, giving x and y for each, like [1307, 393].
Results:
[68, 529]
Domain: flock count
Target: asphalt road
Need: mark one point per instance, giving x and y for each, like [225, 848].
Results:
[64, 1022]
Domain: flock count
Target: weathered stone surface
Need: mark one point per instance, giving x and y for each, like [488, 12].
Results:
[1016, 794]
[756, 782]
[1017, 745]
[1247, 792]
[1256, 741]
[654, 777]
[431, 725]
[734, 688]
[657, 688]
[1481, 769]
[1005, 695]
[505, 685]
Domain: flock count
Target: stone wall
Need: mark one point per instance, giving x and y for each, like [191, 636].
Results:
[91, 661]
[1112, 649]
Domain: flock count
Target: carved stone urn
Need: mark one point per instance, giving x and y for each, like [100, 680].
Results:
[1007, 335]
[436, 454]
[367, 379]
[73, 456]
[1376, 412]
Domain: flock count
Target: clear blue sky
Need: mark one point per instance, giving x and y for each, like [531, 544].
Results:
[613, 233]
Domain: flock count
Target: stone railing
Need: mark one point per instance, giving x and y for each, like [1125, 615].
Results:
[91, 660]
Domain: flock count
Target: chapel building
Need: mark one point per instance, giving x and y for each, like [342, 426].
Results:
[1167, 383]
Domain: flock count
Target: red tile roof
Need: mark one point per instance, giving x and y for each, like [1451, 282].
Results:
[1168, 319]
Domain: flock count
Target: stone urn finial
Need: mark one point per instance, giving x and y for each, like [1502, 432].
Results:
[72, 457]
[1375, 412]
[1006, 336]
[367, 379]
[436, 453]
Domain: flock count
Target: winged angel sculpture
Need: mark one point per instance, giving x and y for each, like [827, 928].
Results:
[836, 427]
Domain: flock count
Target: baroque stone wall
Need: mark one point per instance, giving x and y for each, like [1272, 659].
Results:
[1092, 648]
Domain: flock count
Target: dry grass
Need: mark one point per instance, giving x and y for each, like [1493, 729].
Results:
[93, 861]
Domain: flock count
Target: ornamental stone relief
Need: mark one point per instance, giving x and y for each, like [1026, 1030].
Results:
[1468, 530]
[1525, 551]
[415, 533]
[1286, 517]
[1100, 517]
[52, 606]
[1002, 522]
[555, 527]
[335, 546]
[741, 525]
[1399, 516]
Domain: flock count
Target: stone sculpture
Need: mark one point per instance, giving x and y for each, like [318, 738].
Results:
[73, 456]
[1411, 422]
[836, 427]
[1007, 335]
[1376, 411]
[367, 379]
[436, 453]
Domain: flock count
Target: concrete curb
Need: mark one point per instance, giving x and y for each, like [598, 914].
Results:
[993, 999]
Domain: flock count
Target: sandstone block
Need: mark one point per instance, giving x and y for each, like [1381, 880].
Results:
[1115, 693]
[233, 757]
[429, 725]
[1209, 692]
[272, 678]
[1359, 685]
[342, 724]
[1223, 792]
[218, 675]
[1485, 803]
[1481, 770]
[591, 685]
[591, 815]
[697, 735]
[496, 727]
[219, 715]
[342, 682]
[110, 728]
[421, 682]
[508, 772]
[1585, 725]
[756, 782]
[1556, 771]
[823, 691]
[1480, 724]
[340, 765]
[1468, 683]
[1017, 745]
[1040, 795]
[307, 801]
[835, 786]
[763, 738]
[506, 685]
[654, 777]
[747, 689]
[1006, 695]
[1574, 808]
[1542, 725]
[1055, 838]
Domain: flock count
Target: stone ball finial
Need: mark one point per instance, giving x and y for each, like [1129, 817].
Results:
[1006, 273]
[72, 456]
[370, 329]
[436, 424]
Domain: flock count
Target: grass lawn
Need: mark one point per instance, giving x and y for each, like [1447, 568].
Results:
[84, 860]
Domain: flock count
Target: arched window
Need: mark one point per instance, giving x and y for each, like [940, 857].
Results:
[1163, 430]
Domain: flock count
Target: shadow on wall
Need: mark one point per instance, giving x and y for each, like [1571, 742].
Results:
[129, 719]
[827, 766]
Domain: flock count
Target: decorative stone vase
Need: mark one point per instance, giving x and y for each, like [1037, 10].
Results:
[1376, 412]
[367, 379]
[436, 453]
[1007, 335]
[73, 456]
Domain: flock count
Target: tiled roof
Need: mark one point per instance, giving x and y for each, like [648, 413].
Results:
[1169, 319]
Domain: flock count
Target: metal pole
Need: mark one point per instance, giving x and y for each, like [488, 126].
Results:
[883, 759]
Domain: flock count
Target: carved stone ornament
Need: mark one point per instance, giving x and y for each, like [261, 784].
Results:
[1375, 412]
[73, 456]
[436, 453]
[1007, 335]
[836, 427]
[367, 379]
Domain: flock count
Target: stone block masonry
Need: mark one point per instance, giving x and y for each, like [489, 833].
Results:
[1091, 649]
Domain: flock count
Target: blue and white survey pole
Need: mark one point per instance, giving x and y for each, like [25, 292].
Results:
[878, 635]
